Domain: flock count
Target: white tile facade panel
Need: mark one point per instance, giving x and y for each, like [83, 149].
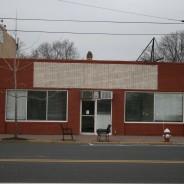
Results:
[99, 76]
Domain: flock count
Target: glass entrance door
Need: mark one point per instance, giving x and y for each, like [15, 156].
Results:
[88, 116]
[95, 114]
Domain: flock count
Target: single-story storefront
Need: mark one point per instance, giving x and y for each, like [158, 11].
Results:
[136, 98]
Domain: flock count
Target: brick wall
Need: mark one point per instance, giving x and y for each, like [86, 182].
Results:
[75, 76]
[7, 46]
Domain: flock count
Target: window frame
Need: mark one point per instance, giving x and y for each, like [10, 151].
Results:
[139, 114]
[154, 122]
[26, 120]
[156, 100]
[6, 105]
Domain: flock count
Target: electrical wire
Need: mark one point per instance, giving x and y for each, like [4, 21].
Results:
[87, 21]
[91, 33]
[120, 11]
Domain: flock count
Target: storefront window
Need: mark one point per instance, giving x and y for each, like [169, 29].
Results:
[139, 107]
[37, 105]
[57, 105]
[21, 105]
[168, 107]
[154, 107]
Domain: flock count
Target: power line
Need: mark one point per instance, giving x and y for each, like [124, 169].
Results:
[87, 21]
[120, 11]
[91, 33]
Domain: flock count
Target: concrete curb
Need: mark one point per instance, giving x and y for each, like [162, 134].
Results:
[88, 142]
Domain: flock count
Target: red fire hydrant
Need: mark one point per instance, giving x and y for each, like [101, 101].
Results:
[167, 135]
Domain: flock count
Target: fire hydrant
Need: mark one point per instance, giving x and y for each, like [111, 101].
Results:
[167, 135]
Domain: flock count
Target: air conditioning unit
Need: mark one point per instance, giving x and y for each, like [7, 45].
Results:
[86, 94]
[96, 94]
[90, 94]
[106, 95]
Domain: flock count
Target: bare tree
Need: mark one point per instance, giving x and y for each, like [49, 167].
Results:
[43, 51]
[57, 50]
[170, 48]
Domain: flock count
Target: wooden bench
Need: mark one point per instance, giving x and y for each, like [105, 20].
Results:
[103, 132]
[67, 131]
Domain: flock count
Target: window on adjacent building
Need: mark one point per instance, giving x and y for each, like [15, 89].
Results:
[150, 107]
[37, 105]
[1, 36]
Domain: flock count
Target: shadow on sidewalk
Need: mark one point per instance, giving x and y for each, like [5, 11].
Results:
[14, 139]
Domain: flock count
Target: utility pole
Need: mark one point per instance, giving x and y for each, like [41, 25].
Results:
[15, 82]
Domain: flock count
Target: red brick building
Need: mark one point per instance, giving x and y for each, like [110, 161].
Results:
[136, 98]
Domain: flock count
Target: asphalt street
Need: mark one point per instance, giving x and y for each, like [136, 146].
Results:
[91, 163]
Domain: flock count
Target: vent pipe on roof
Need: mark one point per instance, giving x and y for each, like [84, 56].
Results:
[89, 56]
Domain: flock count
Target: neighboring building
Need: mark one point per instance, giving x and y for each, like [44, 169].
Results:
[136, 98]
[7, 44]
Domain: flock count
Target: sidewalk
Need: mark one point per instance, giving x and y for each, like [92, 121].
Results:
[93, 139]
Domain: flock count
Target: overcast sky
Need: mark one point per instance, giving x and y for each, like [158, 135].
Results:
[103, 47]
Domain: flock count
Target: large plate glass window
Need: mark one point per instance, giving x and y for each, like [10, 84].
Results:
[57, 105]
[36, 105]
[21, 105]
[139, 106]
[154, 107]
[168, 107]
